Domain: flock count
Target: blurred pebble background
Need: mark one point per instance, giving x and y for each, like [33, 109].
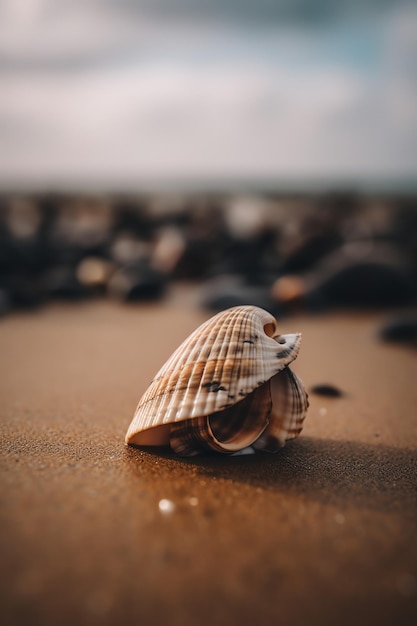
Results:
[284, 253]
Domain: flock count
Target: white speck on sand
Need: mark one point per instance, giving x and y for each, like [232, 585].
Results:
[166, 506]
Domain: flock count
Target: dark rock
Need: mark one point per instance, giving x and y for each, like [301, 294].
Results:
[5, 302]
[204, 243]
[25, 291]
[401, 329]
[93, 274]
[21, 247]
[130, 216]
[368, 284]
[361, 274]
[331, 391]
[82, 227]
[61, 282]
[227, 291]
[138, 282]
[127, 249]
[199, 256]
[252, 258]
[312, 250]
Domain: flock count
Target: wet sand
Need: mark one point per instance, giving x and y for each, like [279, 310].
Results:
[322, 533]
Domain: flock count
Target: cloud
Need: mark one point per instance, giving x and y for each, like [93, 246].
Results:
[98, 96]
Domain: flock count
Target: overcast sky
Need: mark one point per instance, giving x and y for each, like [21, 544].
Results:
[120, 92]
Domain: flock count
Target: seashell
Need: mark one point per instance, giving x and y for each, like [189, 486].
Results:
[227, 386]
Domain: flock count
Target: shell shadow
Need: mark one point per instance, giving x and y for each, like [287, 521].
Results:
[338, 472]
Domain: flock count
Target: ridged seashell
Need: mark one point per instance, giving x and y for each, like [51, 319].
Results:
[225, 388]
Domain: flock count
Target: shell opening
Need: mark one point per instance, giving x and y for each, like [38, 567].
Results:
[270, 329]
[226, 431]
[246, 435]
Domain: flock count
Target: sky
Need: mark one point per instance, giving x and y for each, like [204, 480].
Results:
[123, 93]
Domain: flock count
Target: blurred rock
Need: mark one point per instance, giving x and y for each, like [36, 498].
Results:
[246, 216]
[360, 274]
[401, 329]
[82, 227]
[93, 273]
[223, 292]
[23, 219]
[289, 289]
[168, 249]
[5, 302]
[126, 248]
[204, 240]
[130, 215]
[168, 209]
[21, 247]
[61, 282]
[137, 282]
[311, 250]
[250, 245]
[331, 391]
[281, 252]
[24, 291]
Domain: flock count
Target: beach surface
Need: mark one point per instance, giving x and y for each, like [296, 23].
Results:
[95, 532]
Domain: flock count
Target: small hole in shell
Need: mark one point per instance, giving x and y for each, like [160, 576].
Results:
[270, 329]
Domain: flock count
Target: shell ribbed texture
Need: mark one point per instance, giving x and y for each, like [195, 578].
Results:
[289, 409]
[219, 364]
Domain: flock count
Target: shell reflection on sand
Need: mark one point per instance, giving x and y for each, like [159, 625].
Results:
[228, 386]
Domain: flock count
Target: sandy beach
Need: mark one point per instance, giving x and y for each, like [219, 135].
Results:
[321, 533]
